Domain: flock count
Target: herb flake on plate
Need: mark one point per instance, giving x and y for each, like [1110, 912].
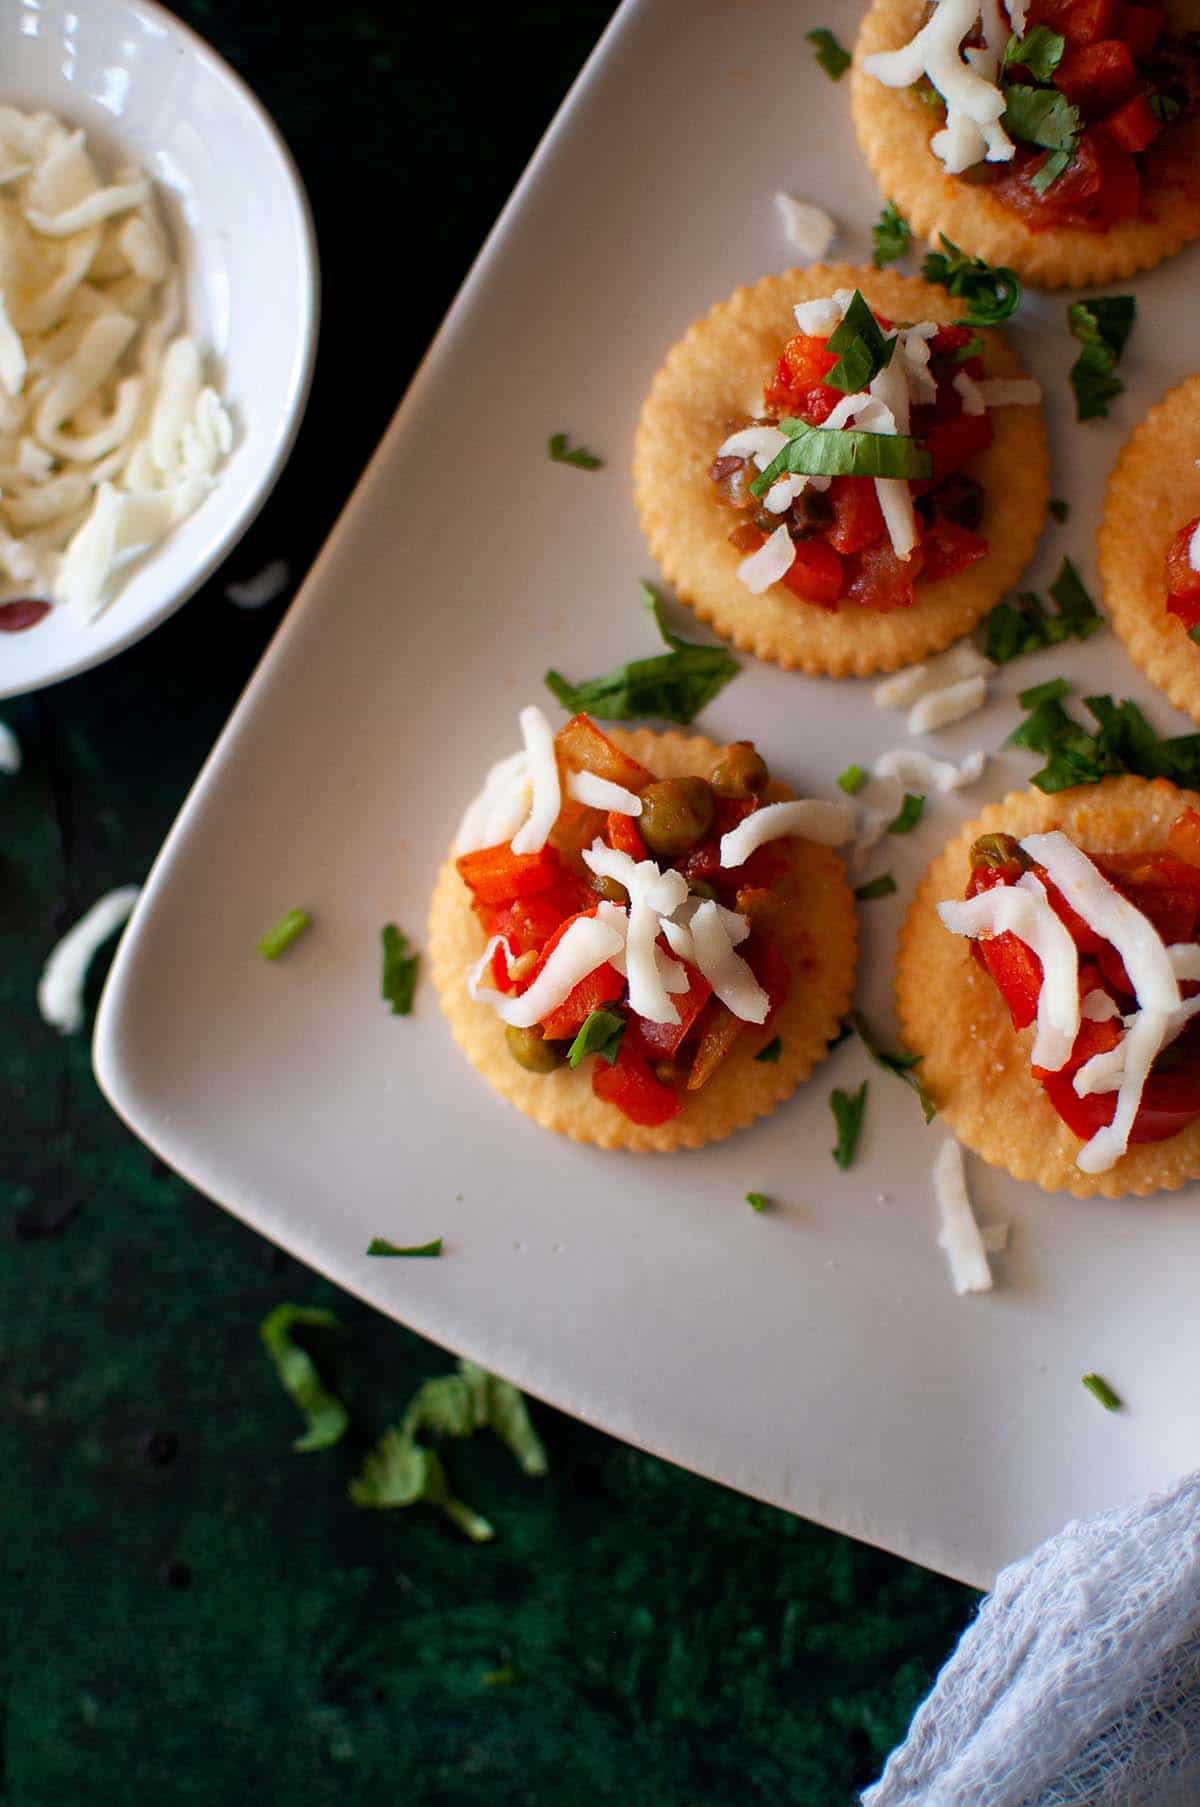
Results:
[289, 928]
[883, 886]
[903, 1065]
[909, 816]
[379, 1245]
[892, 235]
[399, 971]
[562, 452]
[992, 292]
[1102, 327]
[848, 1108]
[673, 686]
[1100, 1389]
[1025, 625]
[833, 58]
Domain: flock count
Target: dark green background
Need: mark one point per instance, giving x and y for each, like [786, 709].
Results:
[226, 1627]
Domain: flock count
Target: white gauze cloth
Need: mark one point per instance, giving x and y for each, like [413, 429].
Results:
[1078, 1685]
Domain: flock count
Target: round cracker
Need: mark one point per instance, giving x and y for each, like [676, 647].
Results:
[894, 129]
[973, 1062]
[818, 935]
[712, 377]
[1153, 491]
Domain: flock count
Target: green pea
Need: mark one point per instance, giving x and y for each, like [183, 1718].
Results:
[998, 850]
[740, 772]
[610, 889]
[676, 813]
[530, 1049]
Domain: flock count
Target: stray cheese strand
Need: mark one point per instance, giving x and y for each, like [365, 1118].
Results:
[959, 1234]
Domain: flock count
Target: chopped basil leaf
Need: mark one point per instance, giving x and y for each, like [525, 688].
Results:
[843, 452]
[1040, 51]
[579, 456]
[861, 348]
[883, 886]
[1026, 625]
[1165, 107]
[379, 1245]
[400, 1471]
[326, 1416]
[833, 59]
[1123, 741]
[289, 928]
[848, 1108]
[910, 815]
[673, 686]
[1059, 509]
[892, 234]
[757, 1201]
[992, 293]
[901, 1065]
[601, 1034]
[770, 1054]
[1102, 327]
[1100, 1389]
[399, 971]
[852, 779]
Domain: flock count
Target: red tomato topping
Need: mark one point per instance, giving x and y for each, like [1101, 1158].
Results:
[857, 517]
[599, 988]
[1079, 21]
[815, 574]
[497, 874]
[953, 443]
[1096, 77]
[1141, 28]
[949, 548]
[662, 1040]
[630, 1085]
[877, 579]
[1134, 125]
[1183, 582]
[624, 835]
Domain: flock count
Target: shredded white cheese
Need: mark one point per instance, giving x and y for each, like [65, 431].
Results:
[10, 750]
[771, 561]
[60, 988]
[601, 793]
[500, 808]
[971, 392]
[1024, 910]
[1099, 1007]
[917, 771]
[587, 944]
[762, 444]
[652, 895]
[809, 228]
[543, 774]
[959, 1233]
[829, 823]
[255, 592]
[726, 971]
[974, 103]
[1194, 550]
[906, 687]
[939, 708]
[821, 317]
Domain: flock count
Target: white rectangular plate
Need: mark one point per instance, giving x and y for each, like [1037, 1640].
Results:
[815, 1356]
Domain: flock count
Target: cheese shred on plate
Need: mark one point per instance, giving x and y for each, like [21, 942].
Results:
[959, 1233]
[60, 988]
[110, 433]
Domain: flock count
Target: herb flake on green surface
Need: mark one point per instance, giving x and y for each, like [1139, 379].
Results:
[326, 1416]
[1102, 327]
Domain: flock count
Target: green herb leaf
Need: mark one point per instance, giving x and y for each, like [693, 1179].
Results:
[910, 815]
[892, 234]
[673, 686]
[1053, 165]
[1040, 51]
[852, 780]
[327, 1417]
[289, 928]
[1100, 1389]
[833, 59]
[992, 293]
[583, 460]
[1193, 633]
[400, 1470]
[770, 1054]
[972, 349]
[379, 1245]
[399, 971]
[601, 1034]
[1165, 107]
[506, 1676]
[843, 452]
[902, 1065]
[1026, 625]
[1059, 509]
[1049, 692]
[1123, 741]
[861, 348]
[883, 886]
[1102, 327]
[1042, 116]
[757, 1201]
[848, 1108]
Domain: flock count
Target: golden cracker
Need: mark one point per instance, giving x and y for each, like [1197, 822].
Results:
[1153, 491]
[973, 1063]
[819, 937]
[711, 377]
[894, 130]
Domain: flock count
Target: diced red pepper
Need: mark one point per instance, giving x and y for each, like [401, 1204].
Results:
[1170, 1101]
[857, 517]
[662, 1040]
[815, 574]
[528, 923]
[1134, 125]
[949, 339]
[1096, 77]
[1140, 30]
[1120, 183]
[877, 579]
[953, 443]
[630, 1084]
[597, 989]
[799, 386]
[766, 960]
[1079, 21]
[1183, 580]
[949, 548]
[498, 875]
[623, 834]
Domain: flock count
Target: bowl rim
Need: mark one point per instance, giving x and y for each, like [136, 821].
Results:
[308, 337]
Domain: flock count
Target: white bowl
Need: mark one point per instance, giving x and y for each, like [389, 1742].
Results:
[147, 89]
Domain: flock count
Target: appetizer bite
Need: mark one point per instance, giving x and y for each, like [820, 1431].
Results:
[1058, 137]
[835, 475]
[641, 939]
[1048, 977]
[1150, 546]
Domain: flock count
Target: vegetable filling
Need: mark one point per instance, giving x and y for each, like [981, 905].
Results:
[1183, 577]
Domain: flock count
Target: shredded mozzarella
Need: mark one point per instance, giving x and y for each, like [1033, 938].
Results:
[971, 392]
[772, 560]
[601, 793]
[255, 592]
[652, 895]
[60, 988]
[829, 823]
[1024, 910]
[917, 771]
[500, 808]
[587, 944]
[543, 773]
[726, 971]
[10, 750]
[809, 228]
[974, 104]
[819, 318]
[1194, 550]
[939, 708]
[959, 1233]
[906, 687]
[762, 444]
[890, 387]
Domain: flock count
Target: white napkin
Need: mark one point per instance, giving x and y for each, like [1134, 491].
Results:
[1078, 1685]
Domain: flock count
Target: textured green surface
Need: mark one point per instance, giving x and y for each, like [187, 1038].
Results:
[226, 1627]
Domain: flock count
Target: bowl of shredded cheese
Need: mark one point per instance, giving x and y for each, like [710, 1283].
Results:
[158, 324]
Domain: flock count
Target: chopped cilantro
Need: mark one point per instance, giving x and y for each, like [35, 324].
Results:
[1102, 327]
[1123, 741]
[1042, 116]
[583, 460]
[399, 971]
[892, 234]
[1100, 1389]
[601, 1034]
[992, 293]
[902, 1065]
[289, 928]
[1059, 509]
[833, 59]
[848, 1108]
[770, 1054]
[883, 886]
[910, 815]
[1026, 625]
[861, 348]
[673, 686]
[814, 451]
[326, 1416]
[379, 1245]
[1040, 51]
[852, 780]
[757, 1201]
